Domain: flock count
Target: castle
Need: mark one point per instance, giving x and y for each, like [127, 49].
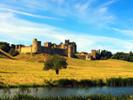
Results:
[68, 48]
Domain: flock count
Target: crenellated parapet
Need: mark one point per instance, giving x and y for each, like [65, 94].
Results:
[66, 49]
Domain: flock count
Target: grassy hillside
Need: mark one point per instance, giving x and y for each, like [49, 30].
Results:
[18, 72]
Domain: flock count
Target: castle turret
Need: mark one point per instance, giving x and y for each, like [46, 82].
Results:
[48, 44]
[93, 54]
[70, 52]
[36, 46]
[74, 47]
[67, 42]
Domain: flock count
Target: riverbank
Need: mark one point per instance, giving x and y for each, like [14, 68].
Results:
[112, 82]
[30, 73]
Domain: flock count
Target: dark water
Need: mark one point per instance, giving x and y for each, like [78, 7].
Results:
[43, 92]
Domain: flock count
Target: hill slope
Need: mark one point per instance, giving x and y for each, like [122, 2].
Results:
[16, 72]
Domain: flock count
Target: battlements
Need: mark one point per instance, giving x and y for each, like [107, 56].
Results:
[66, 49]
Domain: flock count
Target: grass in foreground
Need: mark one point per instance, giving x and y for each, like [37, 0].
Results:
[21, 72]
[93, 97]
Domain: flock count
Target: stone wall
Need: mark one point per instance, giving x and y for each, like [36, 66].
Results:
[67, 49]
[62, 52]
[27, 49]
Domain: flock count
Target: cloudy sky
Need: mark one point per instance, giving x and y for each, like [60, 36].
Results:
[92, 24]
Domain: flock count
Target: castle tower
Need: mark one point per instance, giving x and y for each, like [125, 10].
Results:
[74, 47]
[67, 42]
[70, 52]
[93, 54]
[48, 44]
[36, 46]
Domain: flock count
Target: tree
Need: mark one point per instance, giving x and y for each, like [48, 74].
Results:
[106, 54]
[5, 46]
[55, 62]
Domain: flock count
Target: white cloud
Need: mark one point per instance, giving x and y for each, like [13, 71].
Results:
[128, 32]
[8, 9]
[97, 15]
[17, 30]
[85, 10]
[109, 2]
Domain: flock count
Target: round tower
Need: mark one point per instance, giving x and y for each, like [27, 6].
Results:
[70, 52]
[35, 46]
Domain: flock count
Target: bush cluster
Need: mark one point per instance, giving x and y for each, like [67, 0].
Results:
[123, 56]
[8, 48]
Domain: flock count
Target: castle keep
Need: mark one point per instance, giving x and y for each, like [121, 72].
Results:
[65, 49]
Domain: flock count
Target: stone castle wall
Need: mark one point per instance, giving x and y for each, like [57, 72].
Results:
[62, 52]
[67, 49]
[25, 50]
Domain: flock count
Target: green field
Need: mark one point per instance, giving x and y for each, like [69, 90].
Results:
[30, 71]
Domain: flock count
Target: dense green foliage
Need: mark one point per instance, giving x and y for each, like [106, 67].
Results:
[75, 83]
[55, 62]
[112, 82]
[123, 56]
[115, 82]
[5, 46]
[8, 48]
[105, 54]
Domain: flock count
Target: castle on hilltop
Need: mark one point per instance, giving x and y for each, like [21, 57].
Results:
[65, 49]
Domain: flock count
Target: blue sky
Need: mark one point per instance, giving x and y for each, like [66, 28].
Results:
[92, 24]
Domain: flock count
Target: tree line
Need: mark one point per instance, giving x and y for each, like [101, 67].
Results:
[123, 56]
[105, 54]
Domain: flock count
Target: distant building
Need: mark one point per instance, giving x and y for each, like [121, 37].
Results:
[94, 55]
[66, 49]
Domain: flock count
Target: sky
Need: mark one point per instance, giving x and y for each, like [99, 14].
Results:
[92, 24]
